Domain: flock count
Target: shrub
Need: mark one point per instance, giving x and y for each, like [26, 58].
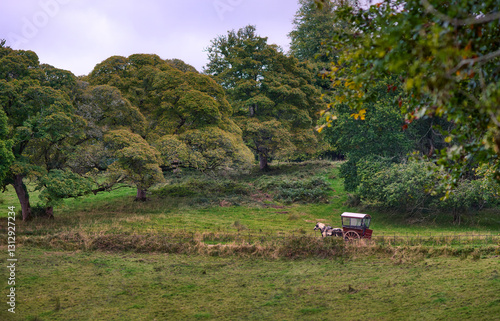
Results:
[403, 186]
[313, 190]
[410, 187]
[203, 187]
[177, 190]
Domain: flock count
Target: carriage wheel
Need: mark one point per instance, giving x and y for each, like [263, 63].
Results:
[351, 235]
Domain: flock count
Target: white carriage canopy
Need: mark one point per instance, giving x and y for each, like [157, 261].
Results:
[358, 220]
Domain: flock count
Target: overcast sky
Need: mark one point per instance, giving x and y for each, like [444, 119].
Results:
[77, 34]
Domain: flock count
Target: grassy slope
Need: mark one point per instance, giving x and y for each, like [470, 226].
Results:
[117, 213]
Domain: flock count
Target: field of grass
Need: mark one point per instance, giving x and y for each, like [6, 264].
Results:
[236, 247]
[55, 285]
[250, 211]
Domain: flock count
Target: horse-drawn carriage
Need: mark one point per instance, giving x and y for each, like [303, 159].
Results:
[355, 226]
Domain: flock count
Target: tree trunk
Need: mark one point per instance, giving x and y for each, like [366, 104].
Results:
[456, 216]
[252, 110]
[49, 211]
[263, 162]
[141, 195]
[23, 196]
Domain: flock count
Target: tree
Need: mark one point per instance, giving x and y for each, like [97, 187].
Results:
[59, 184]
[56, 131]
[206, 149]
[42, 125]
[268, 90]
[181, 65]
[313, 28]
[446, 55]
[104, 109]
[136, 160]
[374, 133]
[184, 110]
[6, 156]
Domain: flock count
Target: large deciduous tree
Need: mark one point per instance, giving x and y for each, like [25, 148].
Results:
[42, 125]
[187, 114]
[273, 95]
[313, 28]
[105, 109]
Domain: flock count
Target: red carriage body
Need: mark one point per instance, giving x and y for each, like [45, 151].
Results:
[356, 226]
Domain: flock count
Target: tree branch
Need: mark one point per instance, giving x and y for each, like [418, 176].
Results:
[459, 22]
[472, 61]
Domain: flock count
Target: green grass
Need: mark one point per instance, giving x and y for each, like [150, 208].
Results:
[58, 285]
[228, 249]
[257, 213]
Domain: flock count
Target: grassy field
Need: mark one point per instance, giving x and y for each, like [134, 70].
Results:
[55, 285]
[236, 248]
[250, 210]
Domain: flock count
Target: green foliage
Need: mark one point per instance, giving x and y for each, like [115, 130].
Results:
[314, 26]
[411, 187]
[174, 191]
[6, 156]
[173, 101]
[212, 148]
[136, 160]
[446, 56]
[187, 113]
[468, 194]
[349, 172]
[375, 134]
[173, 150]
[294, 184]
[266, 87]
[405, 186]
[181, 65]
[104, 108]
[205, 150]
[60, 184]
[313, 190]
[291, 189]
[267, 138]
[43, 128]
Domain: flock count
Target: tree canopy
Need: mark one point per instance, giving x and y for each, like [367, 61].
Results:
[183, 109]
[273, 96]
[42, 126]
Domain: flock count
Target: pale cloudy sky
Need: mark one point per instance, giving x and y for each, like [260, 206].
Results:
[77, 34]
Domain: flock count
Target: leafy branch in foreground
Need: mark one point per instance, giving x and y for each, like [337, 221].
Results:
[445, 57]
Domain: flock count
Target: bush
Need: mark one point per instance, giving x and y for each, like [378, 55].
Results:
[203, 187]
[177, 190]
[313, 190]
[405, 186]
[290, 183]
[410, 187]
